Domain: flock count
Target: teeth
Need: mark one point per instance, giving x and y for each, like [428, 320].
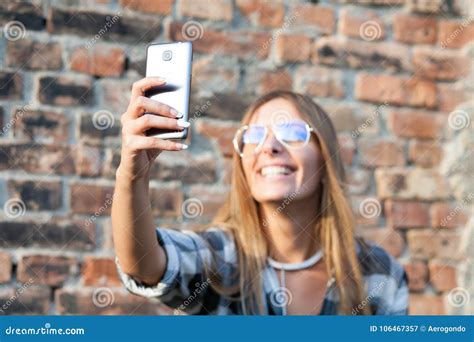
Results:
[275, 170]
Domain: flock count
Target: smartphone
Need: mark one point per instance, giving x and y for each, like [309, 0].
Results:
[173, 61]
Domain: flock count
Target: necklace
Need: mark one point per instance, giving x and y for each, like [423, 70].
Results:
[293, 267]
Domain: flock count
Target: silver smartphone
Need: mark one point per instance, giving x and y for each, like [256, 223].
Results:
[173, 61]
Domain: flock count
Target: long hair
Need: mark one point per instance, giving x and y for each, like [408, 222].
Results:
[335, 226]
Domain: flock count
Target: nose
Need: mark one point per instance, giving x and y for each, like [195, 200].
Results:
[271, 145]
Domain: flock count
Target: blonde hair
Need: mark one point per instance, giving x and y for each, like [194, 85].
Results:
[335, 226]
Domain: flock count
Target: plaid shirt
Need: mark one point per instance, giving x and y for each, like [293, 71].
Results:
[184, 287]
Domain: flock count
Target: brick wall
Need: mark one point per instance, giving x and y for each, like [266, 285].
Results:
[394, 76]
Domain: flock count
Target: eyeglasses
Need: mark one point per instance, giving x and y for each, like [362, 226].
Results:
[250, 138]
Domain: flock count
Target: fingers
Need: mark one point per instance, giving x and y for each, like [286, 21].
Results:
[143, 105]
[139, 87]
[137, 142]
[147, 121]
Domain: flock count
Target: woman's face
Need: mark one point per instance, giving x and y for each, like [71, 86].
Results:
[304, 166]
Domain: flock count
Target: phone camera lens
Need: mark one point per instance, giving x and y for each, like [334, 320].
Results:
[167, 55]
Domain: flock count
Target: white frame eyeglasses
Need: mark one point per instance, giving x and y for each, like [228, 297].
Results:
[235, 140]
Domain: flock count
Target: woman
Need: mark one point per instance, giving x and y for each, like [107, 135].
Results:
[283, 242]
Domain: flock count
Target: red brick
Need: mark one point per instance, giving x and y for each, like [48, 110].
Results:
[37, 158]
[417, 273]
[416, 124]
[243, 44]
[358, 181]
[222, 133]
[88, 161]
[5, 267]
[100, 271]
[204, 202]
[380, 152]
[440, 64]
[211, 75]
[166, 202]
[115, 94]
[347, 148]
[263, 81]
[390, 240]
[33, 55]
[158, 7]
[450, 96]
[29, 13]
[37, 195]
[226, 106]
[187, 168]
[100, 60]
[292, 48]
[420, 304]
[309, 16]
[362, 24]
[41, 125]
[425, 153]
[65, 90]
[427, 244]
[104, 301]
[319, 81]
[390, 3]
[262, 12]
[46, 269]
[56, 233]
[25, 299]
[414, 29]
[99, 128]
[407, 214]
[442, 276]
[12, 85]
[206, 9]
[416, 184]
[395, 90]
[445, 215]
[344, 52]
[91, 199]
[455, 33]
[115, 26]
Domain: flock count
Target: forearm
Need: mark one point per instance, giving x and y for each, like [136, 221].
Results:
[134, 233]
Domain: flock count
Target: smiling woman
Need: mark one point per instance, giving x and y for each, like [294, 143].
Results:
[282, 243]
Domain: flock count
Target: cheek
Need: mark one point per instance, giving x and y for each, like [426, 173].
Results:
[312, 165]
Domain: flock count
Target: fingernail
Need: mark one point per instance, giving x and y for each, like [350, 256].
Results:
[183, 146]
[161, 79]
[182, 123]
[176, 113]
